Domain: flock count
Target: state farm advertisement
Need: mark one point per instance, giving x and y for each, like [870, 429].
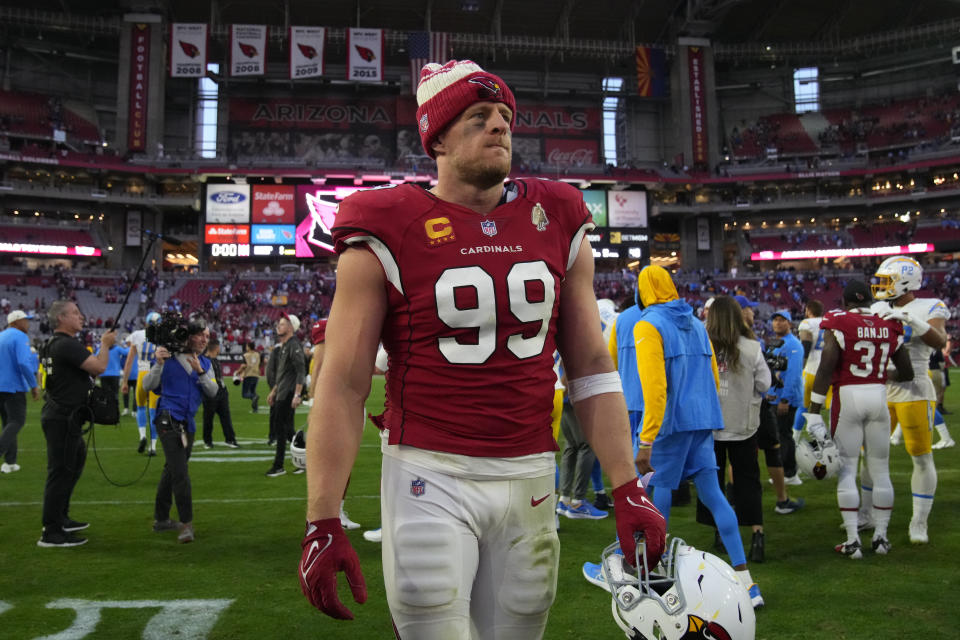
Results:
[273, 204]
[228, 203]
[227, 233]
[571, 152]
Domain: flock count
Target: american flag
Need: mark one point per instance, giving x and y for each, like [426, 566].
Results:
[424, 47]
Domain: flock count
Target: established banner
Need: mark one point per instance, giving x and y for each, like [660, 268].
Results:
[139, 80]
[306, 52]
[188, 50]
[248, 49]
[698, 104]
[134, 226]
[365, 55]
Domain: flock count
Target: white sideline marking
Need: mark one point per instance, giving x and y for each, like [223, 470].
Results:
[195, 500]
[209, 458]
[5, 606]
[186, 619]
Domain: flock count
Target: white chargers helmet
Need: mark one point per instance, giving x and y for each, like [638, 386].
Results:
[818, 459]
[298, 450]
[152, 318]
[690, 595]
[895, 276]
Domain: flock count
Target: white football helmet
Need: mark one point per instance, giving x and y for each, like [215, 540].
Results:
[895, 276]
[298, 450]
[690, 595]
[818, 459]
[152, 318]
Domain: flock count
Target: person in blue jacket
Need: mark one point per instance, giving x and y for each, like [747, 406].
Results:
[18, 374]
[181, 380]
[110, 380]
[786, 394]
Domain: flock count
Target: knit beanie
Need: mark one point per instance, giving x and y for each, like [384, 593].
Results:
[445, 91]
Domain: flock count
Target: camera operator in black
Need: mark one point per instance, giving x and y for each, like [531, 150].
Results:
[218, 405]
[181, 380]
[70, 369]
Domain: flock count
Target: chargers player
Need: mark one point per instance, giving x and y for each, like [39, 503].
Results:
[858, 345]
[472, 286]
[811, 337]
[912, 404]
[142, 351]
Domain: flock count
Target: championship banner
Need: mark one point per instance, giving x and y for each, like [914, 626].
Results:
[703, 234]
[306, 52]
[188, 50]
[698, 104]
[248, 49]
[139, 79]
[365, 55]
[134, 226]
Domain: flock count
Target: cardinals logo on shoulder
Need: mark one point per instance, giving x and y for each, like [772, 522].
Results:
[539, 217]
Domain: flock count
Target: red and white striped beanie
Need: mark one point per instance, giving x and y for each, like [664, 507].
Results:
[445, 91]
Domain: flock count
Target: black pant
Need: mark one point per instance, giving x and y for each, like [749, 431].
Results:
[175, 478]
[788, 448]
[249, 388]
[747, 490]
[219, 406]
[281, 427]
[13, 414]
[110, 384]
[66, 455]
[131, 391]
[768, 437]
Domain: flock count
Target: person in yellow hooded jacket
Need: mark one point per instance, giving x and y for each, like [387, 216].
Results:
[681, 408]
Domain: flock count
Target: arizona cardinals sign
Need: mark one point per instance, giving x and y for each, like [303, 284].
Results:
[365, 55]
[248, 49]
[306, 52]
[188, 50]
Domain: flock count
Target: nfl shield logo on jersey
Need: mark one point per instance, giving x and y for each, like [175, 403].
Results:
[489, 227]
[418, 487]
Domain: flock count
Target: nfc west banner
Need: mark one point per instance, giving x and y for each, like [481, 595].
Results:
[188, 50]
[365, 55]
[306, 52]
[248, 49]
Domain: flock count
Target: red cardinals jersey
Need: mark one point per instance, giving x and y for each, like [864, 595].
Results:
[472, 311]
[867, 341]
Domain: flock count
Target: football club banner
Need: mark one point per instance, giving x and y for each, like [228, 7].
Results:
[698, 103]
[188, 50]
[365, 55]
[248, 49]
[139, 80]
[306, 52]
[651, 72]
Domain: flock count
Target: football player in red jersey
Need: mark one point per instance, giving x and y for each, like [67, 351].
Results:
[470, 286]
[857, 347]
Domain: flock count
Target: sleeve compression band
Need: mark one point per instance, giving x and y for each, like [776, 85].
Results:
[587, 386]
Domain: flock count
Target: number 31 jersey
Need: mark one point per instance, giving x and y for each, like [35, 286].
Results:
[472, 311]
[867, 342]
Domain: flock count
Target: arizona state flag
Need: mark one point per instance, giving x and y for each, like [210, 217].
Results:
[651, 72]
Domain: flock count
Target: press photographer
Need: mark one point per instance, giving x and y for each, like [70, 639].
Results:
[182, 377]
[70, 370]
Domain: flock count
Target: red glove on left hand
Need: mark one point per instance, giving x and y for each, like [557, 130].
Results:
[327, 551]
[635, 513]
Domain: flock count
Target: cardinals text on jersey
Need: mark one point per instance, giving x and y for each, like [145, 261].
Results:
[473, 304]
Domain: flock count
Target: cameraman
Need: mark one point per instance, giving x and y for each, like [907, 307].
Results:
[181, 380]
[69, 368]
[786, 394]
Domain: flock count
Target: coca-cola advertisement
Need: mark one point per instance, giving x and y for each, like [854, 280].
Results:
[571, 153]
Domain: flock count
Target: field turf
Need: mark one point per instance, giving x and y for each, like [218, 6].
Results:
[248, 528]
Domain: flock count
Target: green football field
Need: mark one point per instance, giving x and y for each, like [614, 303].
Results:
[238, 580]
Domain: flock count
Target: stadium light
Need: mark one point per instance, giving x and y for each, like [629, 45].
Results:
[817, 254]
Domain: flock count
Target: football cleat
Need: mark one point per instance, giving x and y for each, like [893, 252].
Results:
[346, 522]
[562, 507]
[593, 573]
[918, 533]
[944, 443]
[881, 545]
[850, 549]
[584, 511]
[373, 535]
[755, 598]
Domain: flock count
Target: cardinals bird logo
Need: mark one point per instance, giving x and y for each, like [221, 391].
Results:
[700, 629]
[247, 49]
[308, 52]
[489, 88]
[366, 54]
[189, 49]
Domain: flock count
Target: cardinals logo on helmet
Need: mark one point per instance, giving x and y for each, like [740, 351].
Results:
[248, 49]
[700, 629]
[365, 53]
[308, 52]
[488, 88]
[189, 49]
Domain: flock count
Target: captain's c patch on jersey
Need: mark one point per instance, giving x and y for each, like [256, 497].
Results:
[439, 231]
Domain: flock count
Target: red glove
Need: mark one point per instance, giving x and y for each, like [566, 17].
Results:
[635, 513]
[326, 551]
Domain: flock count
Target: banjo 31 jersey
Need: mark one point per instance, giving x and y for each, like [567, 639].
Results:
[472, 311]
[867, 341]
